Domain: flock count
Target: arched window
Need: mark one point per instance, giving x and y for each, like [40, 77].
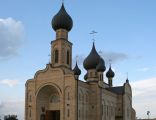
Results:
[30, 113]
[68, 113]
[128, 112]
[30, 98]
[68, 55]
[91, 74]
[79, 96]
[54, 99]
[56, 56]
[68, 96]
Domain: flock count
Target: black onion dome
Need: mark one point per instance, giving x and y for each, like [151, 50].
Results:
[92, 60]
[101, 66]
[110, 73]
[62, 20]
[76, 70]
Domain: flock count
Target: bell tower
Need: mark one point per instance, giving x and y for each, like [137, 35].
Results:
[61, 47]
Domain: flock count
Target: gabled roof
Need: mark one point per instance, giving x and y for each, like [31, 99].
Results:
[118, 90]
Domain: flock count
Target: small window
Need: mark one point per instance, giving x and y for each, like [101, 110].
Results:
[79, 114]
[68, 56]
[55, 99]
[56, 58]
[30, 113]
[128, 113]
[91, 74]
[30, 98]
[68, 96]
[107, 110]
[68, 114]
[86, 98]
[102, 109]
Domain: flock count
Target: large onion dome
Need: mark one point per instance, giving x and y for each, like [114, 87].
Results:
[92, 60]
[62, 20]
[76, 70]
[101, 66]
[110, 73]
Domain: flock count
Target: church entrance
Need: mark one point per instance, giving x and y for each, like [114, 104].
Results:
[53, 115]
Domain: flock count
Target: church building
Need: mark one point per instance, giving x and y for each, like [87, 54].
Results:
[57, 93]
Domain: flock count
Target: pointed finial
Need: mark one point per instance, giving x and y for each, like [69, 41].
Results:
[62, 1]
[127, 81]
[49, 58]
[110, 62]
[93, 33]
[77, 59]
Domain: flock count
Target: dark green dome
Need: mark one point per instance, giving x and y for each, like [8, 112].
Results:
[101, 66]
[76, 70]
[110, 73]
[62, 20]
[92, 60]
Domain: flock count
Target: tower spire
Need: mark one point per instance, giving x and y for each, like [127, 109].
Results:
[61, 50]
[110, 62]
[127, 80]
[62, 1]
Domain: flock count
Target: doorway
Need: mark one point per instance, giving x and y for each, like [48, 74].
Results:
[53, 115]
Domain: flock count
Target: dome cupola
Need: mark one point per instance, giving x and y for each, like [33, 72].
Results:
[110, 73]
[92, 60]
[76, 70]
[62, 20]
[101, 66]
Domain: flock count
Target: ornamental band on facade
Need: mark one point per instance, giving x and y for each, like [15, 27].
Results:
[56, 93]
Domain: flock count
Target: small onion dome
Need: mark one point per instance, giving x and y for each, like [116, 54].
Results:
[76, 70]
[62, 20]
[127, 81]
[86, 76]
[110, 73]
[92, 60]
[101, 66]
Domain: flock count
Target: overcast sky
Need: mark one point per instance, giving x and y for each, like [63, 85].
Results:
[126, 35]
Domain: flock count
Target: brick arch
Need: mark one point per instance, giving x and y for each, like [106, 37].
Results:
[43, 98]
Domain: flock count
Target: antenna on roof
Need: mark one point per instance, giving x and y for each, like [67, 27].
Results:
[93, 33]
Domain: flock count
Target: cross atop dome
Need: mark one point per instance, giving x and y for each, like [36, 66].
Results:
[93, 33]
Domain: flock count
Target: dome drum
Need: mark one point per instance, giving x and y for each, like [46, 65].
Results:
[61, 33]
